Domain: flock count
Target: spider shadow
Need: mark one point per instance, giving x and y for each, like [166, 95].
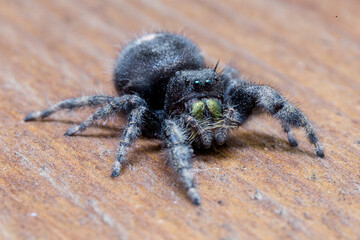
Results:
[240, 140]
[254, 140]
[112, 131]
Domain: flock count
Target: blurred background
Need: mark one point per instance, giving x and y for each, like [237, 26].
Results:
[254, 187]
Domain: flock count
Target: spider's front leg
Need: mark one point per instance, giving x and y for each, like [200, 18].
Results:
[247, 97]
[271, 101]
[180, 154]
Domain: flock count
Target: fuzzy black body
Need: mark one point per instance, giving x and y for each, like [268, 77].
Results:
[167, 92]
[147, 63]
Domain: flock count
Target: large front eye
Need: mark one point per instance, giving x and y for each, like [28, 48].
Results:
[197, 84]
[208, 82]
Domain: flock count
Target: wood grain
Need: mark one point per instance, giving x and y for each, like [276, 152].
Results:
[255, 187]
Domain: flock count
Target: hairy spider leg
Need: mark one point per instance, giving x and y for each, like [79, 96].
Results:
[99, 114]
[124, 103]
[291, 137]
[117, 104]
[271, 101]
[180, 154]
[71, 103]
[249, 97]
[131, 132]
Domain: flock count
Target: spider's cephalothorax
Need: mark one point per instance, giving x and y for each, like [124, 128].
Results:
[167, 92]
[196, 96]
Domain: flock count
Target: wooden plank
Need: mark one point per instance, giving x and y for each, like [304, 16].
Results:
[255, 187]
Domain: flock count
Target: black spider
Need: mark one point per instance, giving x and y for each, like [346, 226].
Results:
[167, 92]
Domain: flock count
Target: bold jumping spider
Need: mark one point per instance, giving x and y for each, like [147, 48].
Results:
[167, 92]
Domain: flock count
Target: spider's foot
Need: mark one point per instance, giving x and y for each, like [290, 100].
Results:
[116, 169]
[33, 116]
[292, 139]
[221, 135]
[194, 196]
[72, 131]
[319, 150]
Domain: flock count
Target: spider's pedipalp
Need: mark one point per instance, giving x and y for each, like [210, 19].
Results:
[204, 136]
[230, 121]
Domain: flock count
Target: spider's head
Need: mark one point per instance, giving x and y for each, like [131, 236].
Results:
[193, 84]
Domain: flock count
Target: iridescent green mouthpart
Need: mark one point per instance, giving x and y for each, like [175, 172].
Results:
[198, 108]
[214, 108]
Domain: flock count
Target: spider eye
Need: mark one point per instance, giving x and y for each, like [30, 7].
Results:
[187, 81]
[208, 82]
[197, 83]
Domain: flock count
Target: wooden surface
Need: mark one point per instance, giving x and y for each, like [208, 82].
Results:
[255, 187]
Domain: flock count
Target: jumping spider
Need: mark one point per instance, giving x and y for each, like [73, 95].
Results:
[167, 92]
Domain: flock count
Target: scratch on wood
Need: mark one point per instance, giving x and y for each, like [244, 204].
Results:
[107, 219]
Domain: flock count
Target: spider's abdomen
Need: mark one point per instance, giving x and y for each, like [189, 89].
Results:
[147, 63]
